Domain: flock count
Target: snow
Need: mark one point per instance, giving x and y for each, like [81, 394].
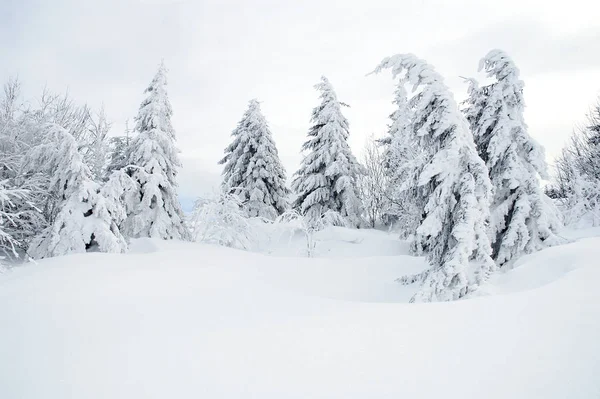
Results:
[172, 319]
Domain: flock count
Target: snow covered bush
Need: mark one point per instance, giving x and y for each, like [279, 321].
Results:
[451, 182]
[328, 176]
[252, 169]
[156, 211]
[521, 221]
[310, 225]
[221, 220]
[84, 220]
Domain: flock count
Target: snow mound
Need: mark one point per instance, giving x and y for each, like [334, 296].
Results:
[185, 320]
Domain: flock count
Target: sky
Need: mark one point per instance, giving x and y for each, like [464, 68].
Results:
[221, 54]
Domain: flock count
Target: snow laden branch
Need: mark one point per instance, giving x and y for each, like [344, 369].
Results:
[450, 184]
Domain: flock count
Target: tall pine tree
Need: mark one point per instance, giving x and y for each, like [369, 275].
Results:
[155, 211]
[522, 220]
[327, 178]
[252, 168]
[451, 184]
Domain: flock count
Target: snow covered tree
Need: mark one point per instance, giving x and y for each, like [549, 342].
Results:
[328, 176]
[96, 150]
[9, 219]
[452, 183]
[156, 211]
[521, 219]
[373, 183]
[402, 156]
[252, 169]
[26, 194]
[85, 220]
[578, 172]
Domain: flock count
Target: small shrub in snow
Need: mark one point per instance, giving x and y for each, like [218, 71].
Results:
[221, 220]
[310, 225]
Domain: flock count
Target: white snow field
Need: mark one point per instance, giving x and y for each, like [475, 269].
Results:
[185, 320]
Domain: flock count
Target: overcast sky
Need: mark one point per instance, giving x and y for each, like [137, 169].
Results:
[220, 54]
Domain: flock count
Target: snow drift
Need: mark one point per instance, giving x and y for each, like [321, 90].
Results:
[184, 320]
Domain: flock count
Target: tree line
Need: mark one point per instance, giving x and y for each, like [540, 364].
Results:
[461, 181]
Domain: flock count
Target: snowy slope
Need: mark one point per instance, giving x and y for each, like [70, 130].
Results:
[181, 320]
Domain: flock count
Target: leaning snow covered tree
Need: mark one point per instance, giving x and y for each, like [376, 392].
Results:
[522, 218]
[252, 168]
[156, 211]
[328, 176]
[451, 182]
[85, 220]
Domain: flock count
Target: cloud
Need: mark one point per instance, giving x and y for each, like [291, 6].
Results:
[534, 47]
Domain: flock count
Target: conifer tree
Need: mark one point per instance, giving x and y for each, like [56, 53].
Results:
[85, 220]
[522, 220]
[327, 178]
[252, 169]
[156, 211]
[451, 183]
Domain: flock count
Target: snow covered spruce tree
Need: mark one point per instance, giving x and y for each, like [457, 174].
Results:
[451, 182]
[84, 220]
[252, 168]
[156, 211]
[522, 218]
[328, 176]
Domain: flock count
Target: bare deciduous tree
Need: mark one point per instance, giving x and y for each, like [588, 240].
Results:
[373, 184]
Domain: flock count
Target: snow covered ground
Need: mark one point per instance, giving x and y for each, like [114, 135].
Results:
[184, 320]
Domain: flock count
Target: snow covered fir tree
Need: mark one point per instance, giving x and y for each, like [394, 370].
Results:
[252, 169]
[522, 218]
[84, 220]
[452, 186]
[155, 211]
[327, 178]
